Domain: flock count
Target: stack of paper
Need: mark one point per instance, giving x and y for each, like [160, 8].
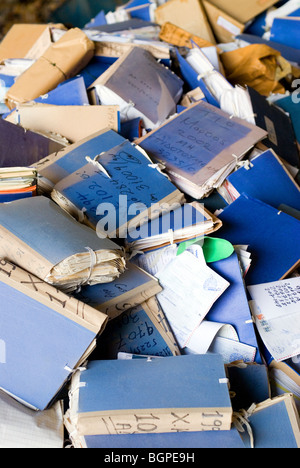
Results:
[16, 183]
[40, 237]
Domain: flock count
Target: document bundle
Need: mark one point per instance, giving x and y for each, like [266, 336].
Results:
[150, 225]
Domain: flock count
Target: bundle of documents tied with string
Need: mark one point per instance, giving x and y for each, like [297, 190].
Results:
[39, 236]
[200, 147]
[17, 182]
[120, 189]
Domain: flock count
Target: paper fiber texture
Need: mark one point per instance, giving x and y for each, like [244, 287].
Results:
[22, 427]
[276, 312]
[40, 237]
[72, 122]
[133, 288]
[36, 365]
[192, 395]
[198, 143]
[179, 37]
[117, 49]
[63, 60]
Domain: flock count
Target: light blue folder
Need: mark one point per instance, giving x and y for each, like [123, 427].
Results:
[134, 332]
[69, 93]
[73, 157]
[175, 382]
[175, 440]
[42, 346]
[128, 178]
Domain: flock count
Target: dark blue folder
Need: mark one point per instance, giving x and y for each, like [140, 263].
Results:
[268, 181]
[272, 236]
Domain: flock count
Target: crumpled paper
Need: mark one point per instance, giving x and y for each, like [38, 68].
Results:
[257, 66]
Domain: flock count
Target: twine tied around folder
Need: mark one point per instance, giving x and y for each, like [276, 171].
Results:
[241, 419]
[85, 281]
[55, 66]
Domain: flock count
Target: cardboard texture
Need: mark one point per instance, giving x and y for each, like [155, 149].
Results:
[179, 13]
[72, 122]
[149, 228]
[21, 38]
[63, 60]
[45, 307]
[243, 11]
[179, 37]
[224, 26]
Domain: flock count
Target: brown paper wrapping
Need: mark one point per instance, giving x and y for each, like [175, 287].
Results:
[63, 60]
[257, 66]
[179, 37]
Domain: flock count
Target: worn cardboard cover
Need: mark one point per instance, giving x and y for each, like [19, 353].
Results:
[188, 15]
[224, 26]
[142, 330]
[72, 122]
[63, 60]
[198, 143]
[33, 312]
[132, 289]
[151, 396]
[20, 40]
[179, 37]
[33, 236]
[243, 10]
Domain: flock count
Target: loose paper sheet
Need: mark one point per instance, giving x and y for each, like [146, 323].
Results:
[190, 290]
[277, 313]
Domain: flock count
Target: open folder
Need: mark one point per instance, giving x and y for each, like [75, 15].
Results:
[41, 238]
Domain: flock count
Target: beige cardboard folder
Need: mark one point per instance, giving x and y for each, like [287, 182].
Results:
[188, 15]
[72, 122]
[21, 38]
[224, 26]
[63, 60]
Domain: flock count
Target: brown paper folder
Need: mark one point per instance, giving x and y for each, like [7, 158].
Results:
[63, 60]
[187, 14]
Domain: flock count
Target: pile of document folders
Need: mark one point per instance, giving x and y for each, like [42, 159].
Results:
[149, 229]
